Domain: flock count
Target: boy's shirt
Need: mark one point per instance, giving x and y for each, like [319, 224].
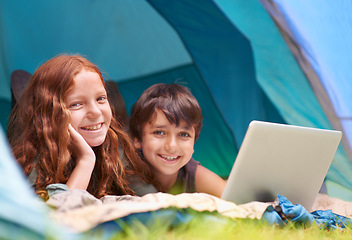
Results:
[186, 178]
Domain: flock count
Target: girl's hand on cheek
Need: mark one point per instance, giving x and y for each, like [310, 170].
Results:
[80, 148]
[85, 161]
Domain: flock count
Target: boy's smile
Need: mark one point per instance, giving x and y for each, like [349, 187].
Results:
[165, 146]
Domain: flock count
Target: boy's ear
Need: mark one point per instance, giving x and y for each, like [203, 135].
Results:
[137, 143]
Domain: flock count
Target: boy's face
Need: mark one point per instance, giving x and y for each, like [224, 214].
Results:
[165, 146]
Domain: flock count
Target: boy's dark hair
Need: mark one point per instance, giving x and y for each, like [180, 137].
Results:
[174, 100]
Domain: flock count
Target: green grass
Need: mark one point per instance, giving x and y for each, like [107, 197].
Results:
[212, 226]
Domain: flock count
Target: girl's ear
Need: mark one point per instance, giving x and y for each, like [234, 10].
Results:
[137, 143]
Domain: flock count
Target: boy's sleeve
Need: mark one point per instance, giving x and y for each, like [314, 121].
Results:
[140, 187]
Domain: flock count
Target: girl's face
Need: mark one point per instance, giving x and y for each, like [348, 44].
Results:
[90, 110]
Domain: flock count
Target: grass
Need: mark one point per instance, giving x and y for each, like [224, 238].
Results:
[213, 226]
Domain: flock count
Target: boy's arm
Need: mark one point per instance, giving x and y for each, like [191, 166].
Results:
[208, 182]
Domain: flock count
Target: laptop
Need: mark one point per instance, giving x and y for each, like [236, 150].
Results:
[281, 159]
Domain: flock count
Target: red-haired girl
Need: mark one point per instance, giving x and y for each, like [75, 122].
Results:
[62, 132]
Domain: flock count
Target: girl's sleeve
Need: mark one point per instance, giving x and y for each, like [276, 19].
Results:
[56, 188]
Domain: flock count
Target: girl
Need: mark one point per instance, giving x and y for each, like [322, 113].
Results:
[62, 131]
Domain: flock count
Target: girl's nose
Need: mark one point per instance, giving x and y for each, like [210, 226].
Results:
[93, 110]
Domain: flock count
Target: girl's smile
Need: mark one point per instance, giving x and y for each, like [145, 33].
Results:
[93, 127]
[89, 107]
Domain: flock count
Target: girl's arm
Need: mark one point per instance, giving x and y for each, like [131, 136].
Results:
[85, 161]
[209, 182]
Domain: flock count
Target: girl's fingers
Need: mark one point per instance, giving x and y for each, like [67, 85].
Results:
[80, 147]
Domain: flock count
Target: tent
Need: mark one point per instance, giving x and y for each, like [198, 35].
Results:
[23, 215]
[278, 61]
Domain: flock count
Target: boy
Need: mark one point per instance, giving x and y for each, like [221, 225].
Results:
[165, 123]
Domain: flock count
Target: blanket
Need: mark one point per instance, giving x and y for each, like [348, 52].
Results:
[80, 211]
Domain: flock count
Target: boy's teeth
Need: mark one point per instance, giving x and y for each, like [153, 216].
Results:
[169, 158]
[93, 127]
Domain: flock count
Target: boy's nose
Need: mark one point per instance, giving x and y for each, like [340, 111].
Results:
[171, 143]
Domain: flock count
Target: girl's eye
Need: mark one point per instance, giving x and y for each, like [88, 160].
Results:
[75, 105]
[158, 132]
[101, 99]
[184, 134]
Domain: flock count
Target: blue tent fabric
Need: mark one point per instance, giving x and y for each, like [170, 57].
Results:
[236, 57]
[22, 215]
[298, 215]
[329, 220]
[315, 49]
[282, 78]
[316, 56]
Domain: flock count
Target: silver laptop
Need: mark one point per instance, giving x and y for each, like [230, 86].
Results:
[281, 159]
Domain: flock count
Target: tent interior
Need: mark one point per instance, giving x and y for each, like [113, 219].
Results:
[270, 60]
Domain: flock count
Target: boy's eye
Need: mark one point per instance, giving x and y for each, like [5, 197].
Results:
[158, 132]
[184, 134]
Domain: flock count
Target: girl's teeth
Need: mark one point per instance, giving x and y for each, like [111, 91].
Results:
[94, 127]
[168, 158]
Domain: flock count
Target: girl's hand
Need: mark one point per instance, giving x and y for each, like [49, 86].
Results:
[85, 161]
[80, 148]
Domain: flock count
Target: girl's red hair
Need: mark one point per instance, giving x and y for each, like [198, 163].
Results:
[38, 133]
